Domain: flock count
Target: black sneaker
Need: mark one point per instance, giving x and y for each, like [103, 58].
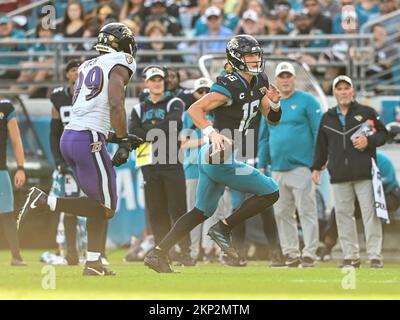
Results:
[348, 263]
[222, 235]
[18, 262]
[240, 262]
[184, 259]
[376, 264]
[277, 259]
[157, 261]
[96, 268]
[293, 262]
[36, 199]
[307, 262]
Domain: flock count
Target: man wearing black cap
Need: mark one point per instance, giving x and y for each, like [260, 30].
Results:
[165, 190]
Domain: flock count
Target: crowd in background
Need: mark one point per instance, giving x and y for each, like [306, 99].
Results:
[203, 18]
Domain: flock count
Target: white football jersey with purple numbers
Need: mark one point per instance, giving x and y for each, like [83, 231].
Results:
[91, 110]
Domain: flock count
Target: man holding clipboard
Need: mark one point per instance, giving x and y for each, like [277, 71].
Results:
[348, 158]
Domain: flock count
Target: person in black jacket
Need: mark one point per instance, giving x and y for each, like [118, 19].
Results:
[165, 189]
[347, 150]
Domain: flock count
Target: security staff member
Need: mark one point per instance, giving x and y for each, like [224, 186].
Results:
[165, 189]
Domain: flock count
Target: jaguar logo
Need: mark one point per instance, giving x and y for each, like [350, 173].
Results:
[358, 118]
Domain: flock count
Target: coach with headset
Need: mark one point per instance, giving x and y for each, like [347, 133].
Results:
[165, 190]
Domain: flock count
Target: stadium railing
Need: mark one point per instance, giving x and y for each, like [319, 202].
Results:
[190, 49]
[388, 79]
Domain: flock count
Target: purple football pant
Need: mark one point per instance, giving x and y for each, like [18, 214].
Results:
[86, 153]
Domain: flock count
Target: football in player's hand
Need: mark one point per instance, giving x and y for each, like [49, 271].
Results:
[219, 156]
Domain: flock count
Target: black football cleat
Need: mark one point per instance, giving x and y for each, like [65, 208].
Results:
[157, 261]
[240, 262]
[222, 235]
[277, 258]
[96, 268]
[350, 263]
[36, 199]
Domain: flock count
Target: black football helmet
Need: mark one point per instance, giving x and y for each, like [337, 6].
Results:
[116, 37]
[238, 47]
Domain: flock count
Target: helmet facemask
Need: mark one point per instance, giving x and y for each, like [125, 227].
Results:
[254, 70]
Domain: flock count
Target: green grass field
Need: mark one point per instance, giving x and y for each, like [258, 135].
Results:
[256, 281]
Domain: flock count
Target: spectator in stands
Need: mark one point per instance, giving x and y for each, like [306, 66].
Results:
[384, 56]
[214, 18]
[158, 11]
[348, 157]
[320, 20]
[304, 26]
[330, 7]
[40, 64]
[291, 150]
[92, 27]
[155, 29]
[369, 7]
[133, 10]
[387, 6]
[7, 32]
[103, 11]
[250, 24]
[257, 6]
[202, 6]
[339, 51]
[273, 26]
[343, 19]
[7, 6]
[133, 25]
[229, 21]
[282, 7]
[73, 23]
[114, 5]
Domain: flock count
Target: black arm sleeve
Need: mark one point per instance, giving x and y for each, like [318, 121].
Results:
[274, 116]
[135, 125]
[56, 130]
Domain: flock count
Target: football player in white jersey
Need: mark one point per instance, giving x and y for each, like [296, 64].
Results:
[97, 108]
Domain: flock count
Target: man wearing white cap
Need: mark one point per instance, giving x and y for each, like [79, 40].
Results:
[249, 24]
[291, 150]
[214, 17]
[348, 152]
[164, 187]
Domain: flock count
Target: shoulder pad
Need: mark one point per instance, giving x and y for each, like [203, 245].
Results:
[122, 58]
